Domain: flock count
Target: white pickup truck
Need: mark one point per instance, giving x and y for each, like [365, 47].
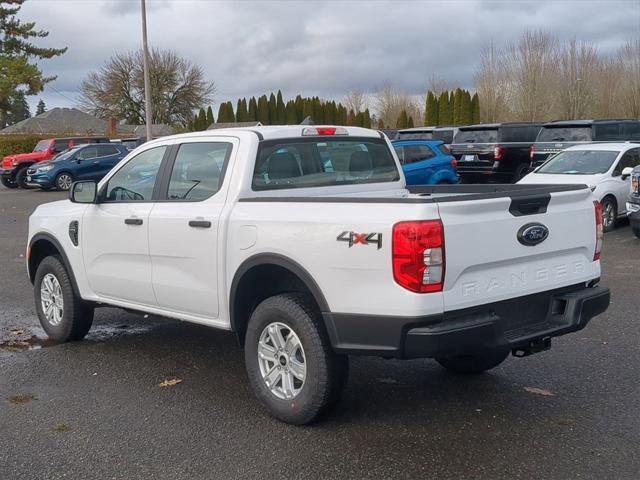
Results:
[305, 242]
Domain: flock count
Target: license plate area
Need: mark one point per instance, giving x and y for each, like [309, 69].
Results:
[469, 158]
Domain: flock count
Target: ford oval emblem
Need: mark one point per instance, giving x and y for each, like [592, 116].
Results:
[532, 234]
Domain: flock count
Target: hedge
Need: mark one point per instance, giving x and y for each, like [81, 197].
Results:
[12, 144]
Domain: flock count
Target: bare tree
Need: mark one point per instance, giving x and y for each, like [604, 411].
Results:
[607, 79]
[178, 87]
[577, 69]
[391, 102]
[629, 62]
[530, 65]
[357, 101]
[437, 85]
[490, 81]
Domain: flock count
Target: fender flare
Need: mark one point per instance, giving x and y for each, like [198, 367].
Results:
[280, 261]
[65, 260]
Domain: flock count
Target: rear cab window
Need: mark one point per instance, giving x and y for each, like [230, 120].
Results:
[518, 133]
[488, 135]
[323, 162]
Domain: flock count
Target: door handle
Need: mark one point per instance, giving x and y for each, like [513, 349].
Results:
[133, 221]
[200, 223]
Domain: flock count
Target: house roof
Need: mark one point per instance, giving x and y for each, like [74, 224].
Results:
[215, 126]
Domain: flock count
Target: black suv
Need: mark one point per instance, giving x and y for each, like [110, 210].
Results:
[633, 205]
[556, 136]
[494, 152]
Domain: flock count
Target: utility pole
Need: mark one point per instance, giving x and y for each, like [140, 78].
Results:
[147, 83]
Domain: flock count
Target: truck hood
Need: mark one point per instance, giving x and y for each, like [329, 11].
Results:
[22, 157]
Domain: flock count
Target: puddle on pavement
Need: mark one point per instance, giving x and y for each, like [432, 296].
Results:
[98, 333]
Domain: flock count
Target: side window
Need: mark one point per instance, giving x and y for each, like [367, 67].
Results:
[136, 179]
[417, 153]
[198, 170]
[60, 146]
[105, 150]
[629, 159]
[608, 131]
[631, 131]
[89, 152]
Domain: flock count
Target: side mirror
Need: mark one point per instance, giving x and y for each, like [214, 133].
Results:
[626, 173]
[84, 192]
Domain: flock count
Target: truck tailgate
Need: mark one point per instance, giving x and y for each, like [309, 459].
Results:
[486, 262]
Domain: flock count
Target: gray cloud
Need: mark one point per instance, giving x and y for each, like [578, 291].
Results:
[315, 47]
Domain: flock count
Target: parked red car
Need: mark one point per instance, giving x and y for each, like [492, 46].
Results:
[13, 171]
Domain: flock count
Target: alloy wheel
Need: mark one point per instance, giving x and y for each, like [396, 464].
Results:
[64, 182]
[51, 299]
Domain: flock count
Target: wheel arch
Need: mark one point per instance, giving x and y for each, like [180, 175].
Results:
[43, 245]
[262, 276]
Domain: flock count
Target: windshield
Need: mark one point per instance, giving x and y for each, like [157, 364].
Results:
[477, 136]
[564, 134]
[42, 146]
[579, 162]
[445, 135]
[311, 162]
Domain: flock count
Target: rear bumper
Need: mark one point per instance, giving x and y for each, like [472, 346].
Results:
[509, 324]
[634, 218]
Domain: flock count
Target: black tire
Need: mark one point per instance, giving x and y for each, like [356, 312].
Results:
[609, 225]
[7, 182]
[63, 181]
[476, 363]
[636, 232]
[520, 172]
[21, 178]
[77, 315]
[326, 372]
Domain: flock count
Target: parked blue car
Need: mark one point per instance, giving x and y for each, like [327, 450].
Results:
[82, 162]
[426, 162]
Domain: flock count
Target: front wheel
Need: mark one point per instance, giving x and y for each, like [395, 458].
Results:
[64, 181]
[476, 363]
[63, 315]
[9, 183]
[521, 172]
[609, 214]
[21, 178]
[291, 366]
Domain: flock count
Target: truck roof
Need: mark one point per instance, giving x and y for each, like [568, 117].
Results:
[585, 123]
[493, 126]
[275, 132]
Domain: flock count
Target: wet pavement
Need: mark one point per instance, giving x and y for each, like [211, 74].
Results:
[95, 409]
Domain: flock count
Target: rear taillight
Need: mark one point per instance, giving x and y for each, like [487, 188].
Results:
[324, 131]
[531, 150]
[418, 255]
[498, 153]
[454, 163]
[599, 230]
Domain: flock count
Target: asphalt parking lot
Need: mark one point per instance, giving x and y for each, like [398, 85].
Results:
[94, 409]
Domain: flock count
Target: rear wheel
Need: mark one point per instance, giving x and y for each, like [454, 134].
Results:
[476, 363]
[21, 178]
[7, 182]
[291, 367]
[609, 214]
[64, 181]
[63, 315]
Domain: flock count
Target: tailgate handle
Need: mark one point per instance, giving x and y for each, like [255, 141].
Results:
[529, 205]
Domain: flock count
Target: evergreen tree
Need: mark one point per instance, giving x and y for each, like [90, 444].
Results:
[299, 108]
[210, 119]
[273, 109]
[263, 110]
[351, 118]
[202, 120]
[232, 117]
[366, 123]
[443, 109]
[41, 108]
[18, 109]
[431, 110]
[457, 106]
[307, 109]
[291, 117]
[252, 114]
[465, 108]
[281, 114]
[475, 109]
[19, 58]
[242, 114]
[410, 123]
[402, 120]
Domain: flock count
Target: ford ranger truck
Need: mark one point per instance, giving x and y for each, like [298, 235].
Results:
[306, 242]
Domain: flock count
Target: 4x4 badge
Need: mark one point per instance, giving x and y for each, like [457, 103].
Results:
[354, 238]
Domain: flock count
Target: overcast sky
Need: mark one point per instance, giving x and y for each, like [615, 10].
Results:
[323, 48]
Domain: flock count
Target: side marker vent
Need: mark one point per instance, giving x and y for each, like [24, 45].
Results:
[73, 232]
